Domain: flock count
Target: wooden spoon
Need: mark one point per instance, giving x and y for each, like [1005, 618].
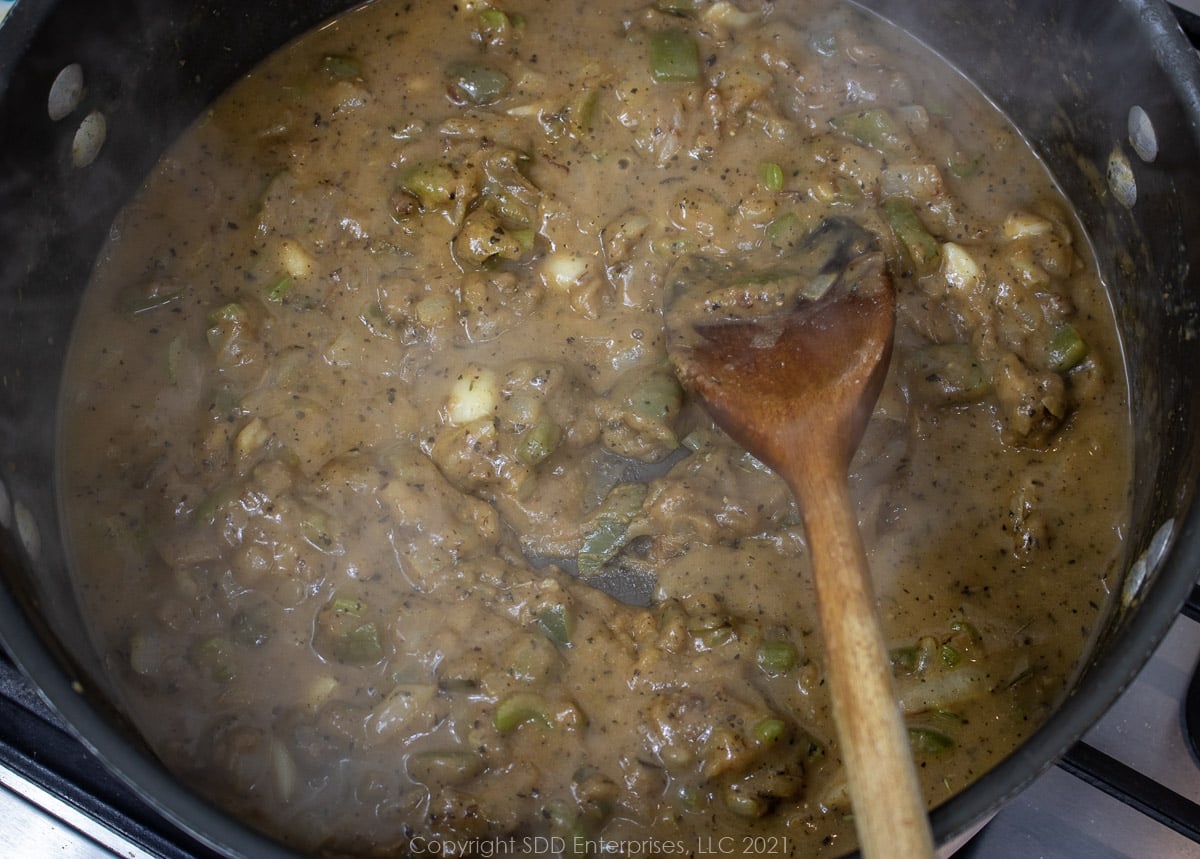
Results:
[794, 380]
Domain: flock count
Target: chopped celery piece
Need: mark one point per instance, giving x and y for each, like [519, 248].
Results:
[176, 350]
[968, 629]
[216, 659]
[949, 373]
[432, 184]
[494, 20]
[558, 623]
[917, 241]
[786, 230]
[279, 289]
[314, 528]
[674, 57]
[476, 84]
[232, 313]
[964, 167]
[538, 443]
[359, 645]
[251, 626]
[770, 175]
[745, 803]
[655, 396]
[906, 659]
[519, 708]
[349, 605]
[575, 119]
[926, 741]
[951, 655]
[679, 8]
[1066, 349]
[874, 128]
[607, 530]
[341, 67]
[524, 238]
[917, 658]
[777, 656]
[208, 509]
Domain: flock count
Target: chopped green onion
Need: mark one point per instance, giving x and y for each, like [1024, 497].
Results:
[674, 57]
[770, 175]
[770, 730]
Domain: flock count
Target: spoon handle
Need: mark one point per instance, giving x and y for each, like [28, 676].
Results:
[889, 812]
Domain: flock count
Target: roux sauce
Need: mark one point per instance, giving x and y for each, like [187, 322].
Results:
[370, 390]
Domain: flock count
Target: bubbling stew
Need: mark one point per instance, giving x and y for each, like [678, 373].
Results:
[398, 533]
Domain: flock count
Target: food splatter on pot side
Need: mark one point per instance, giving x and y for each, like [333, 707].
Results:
[369, 412]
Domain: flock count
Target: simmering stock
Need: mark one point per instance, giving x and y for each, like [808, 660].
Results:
[369, 413]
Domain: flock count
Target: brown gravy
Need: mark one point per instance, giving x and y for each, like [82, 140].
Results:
[369, 392]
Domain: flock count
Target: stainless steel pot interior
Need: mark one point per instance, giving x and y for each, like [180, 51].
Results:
[1075, 75]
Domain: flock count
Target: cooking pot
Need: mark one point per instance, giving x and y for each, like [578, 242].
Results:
[1108, 93]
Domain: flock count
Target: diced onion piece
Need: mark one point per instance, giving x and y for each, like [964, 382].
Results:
[295, 260]
[433, 310]
[474, 395]
[959, 267]
[563, 271]
[285, 770]
[252, 437]
[145, 653]
[728, 15]
[1020, 225]
[402, 706]
[318, 691]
